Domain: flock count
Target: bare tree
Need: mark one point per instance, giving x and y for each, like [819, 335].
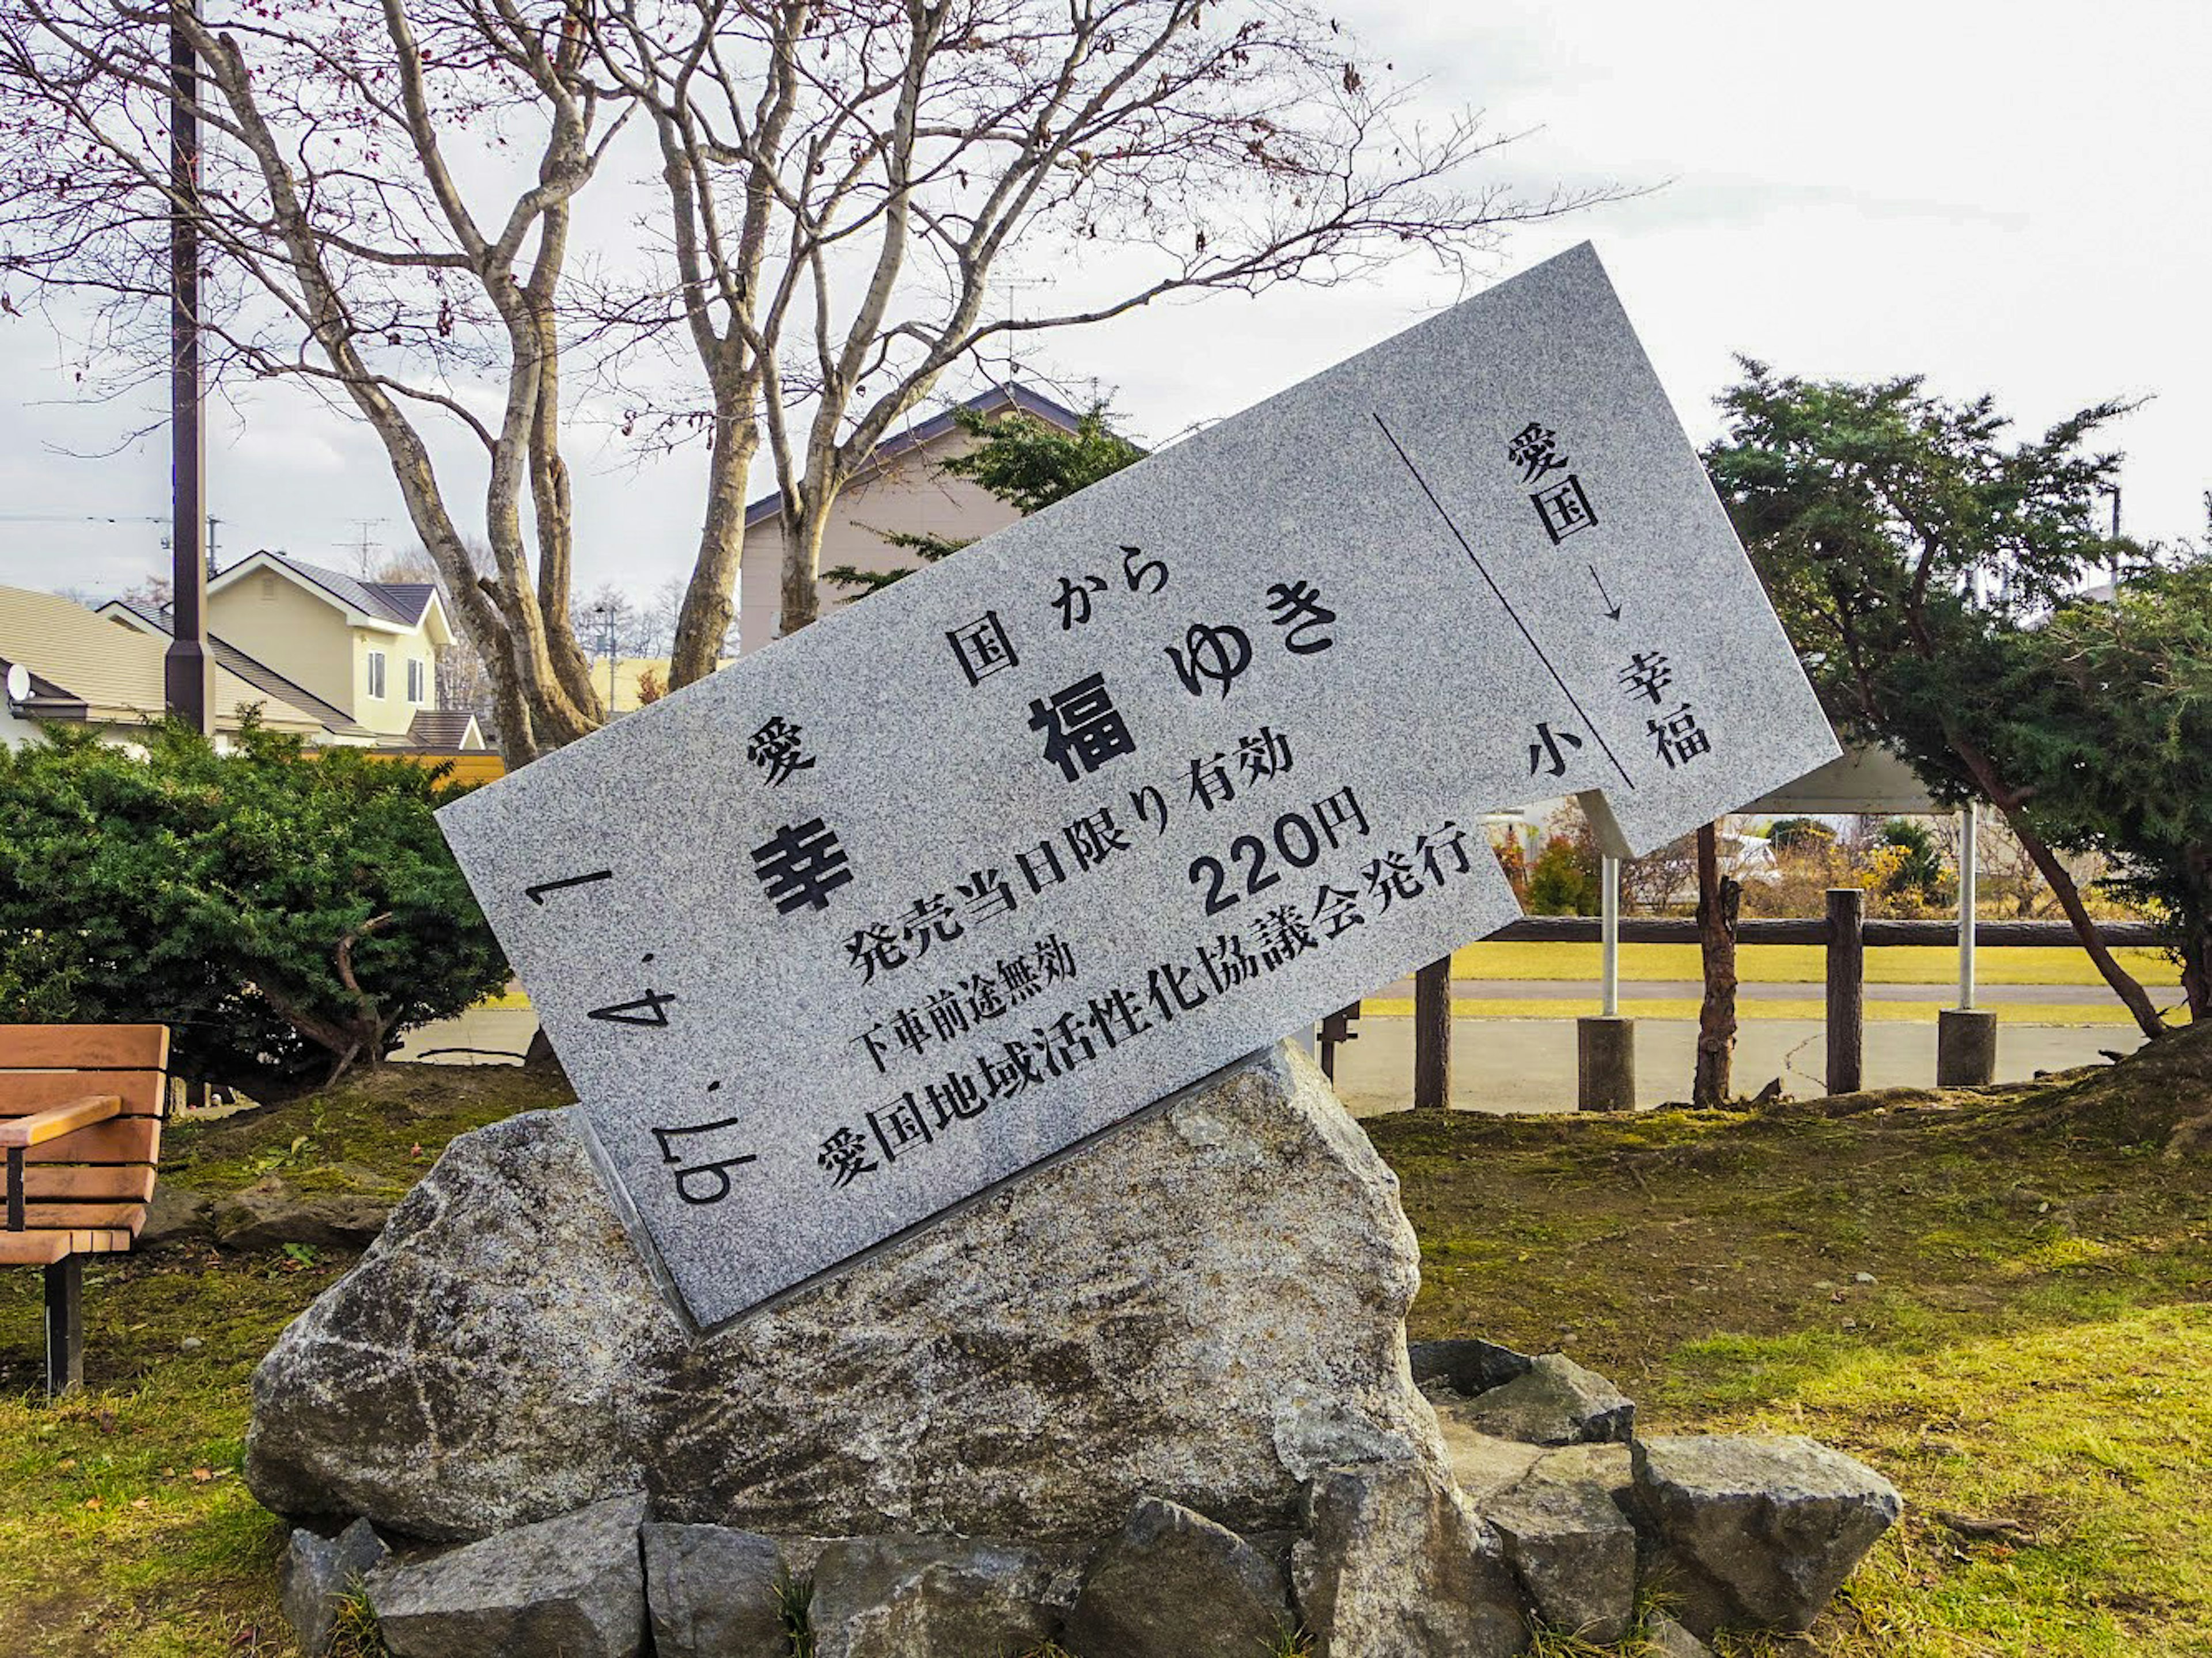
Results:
[346, 251]
[391, 187]
[845, 178]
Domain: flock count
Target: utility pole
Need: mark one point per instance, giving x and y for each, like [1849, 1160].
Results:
[187, 671]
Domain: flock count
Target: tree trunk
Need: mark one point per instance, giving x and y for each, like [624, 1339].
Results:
[1720, 900]
[704, 620]
[2194, 946]
[802, 559]
[2061, 882]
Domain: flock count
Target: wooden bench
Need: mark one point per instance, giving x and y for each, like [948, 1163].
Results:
[81, 1108]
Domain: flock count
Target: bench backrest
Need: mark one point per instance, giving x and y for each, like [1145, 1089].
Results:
[103, 1175]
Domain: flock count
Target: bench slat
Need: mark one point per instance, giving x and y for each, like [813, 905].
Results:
[47, 1183]
[124, 1140]
[45, 1247]
[85, 1047]
[22, 1092]
[33, 1249]
[85, 1217]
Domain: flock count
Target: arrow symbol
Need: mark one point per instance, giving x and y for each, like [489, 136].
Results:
[536, 894]
[1612, 605]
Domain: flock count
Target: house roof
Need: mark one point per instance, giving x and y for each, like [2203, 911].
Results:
[402, 604]
[105, 673]
[443, 731]
[251, 669]
[1013, 398]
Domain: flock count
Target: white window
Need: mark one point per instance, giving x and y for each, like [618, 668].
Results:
[376, 673]
[415, 676]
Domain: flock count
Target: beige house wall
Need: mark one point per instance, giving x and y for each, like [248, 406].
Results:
[275, 620]
[390, 714]
[908, 495]
[308, 640]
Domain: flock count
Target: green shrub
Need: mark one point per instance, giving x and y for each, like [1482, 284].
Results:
[1919, 870]
[286, 914]
[1800, 833]
[1564, 880]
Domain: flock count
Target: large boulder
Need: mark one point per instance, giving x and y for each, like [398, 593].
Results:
[573, 1587]
[1206, 1305]
[1757, 1532]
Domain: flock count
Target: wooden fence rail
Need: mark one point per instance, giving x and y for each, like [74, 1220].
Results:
[1681, 930]
[1844, 933]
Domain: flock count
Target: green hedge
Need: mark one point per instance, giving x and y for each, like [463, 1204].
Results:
[230, 895]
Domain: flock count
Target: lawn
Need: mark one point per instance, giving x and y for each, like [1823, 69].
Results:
[2036, 1347]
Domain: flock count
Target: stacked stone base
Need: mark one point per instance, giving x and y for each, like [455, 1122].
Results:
[1577, 1525]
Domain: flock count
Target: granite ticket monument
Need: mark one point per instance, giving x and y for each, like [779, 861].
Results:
[851, 1265]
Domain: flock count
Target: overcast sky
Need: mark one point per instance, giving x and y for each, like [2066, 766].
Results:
[2005, 196]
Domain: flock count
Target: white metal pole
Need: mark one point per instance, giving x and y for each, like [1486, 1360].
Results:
[1967, 862]
[1609, 928]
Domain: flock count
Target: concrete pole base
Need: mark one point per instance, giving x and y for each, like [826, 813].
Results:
[1965, 1047]
[1605, 1063]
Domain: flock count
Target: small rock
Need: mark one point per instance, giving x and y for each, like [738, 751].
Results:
[1175, 1585]
[1666, 1638]
[1863, 1278]
[1609, 1467]
[711, 1592]
[1392, 1564]
[574, 1586]
[1557, 1402]
[1760, 1532]
[191, 1343]
[1573, 1551]
[177, 1215]
[1465, 1366]
[1482, 1464]
[928, 1597]
[316, 1574]
[270, 1214]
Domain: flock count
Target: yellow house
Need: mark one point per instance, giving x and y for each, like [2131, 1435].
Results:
[902, 488]
[368, 649]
